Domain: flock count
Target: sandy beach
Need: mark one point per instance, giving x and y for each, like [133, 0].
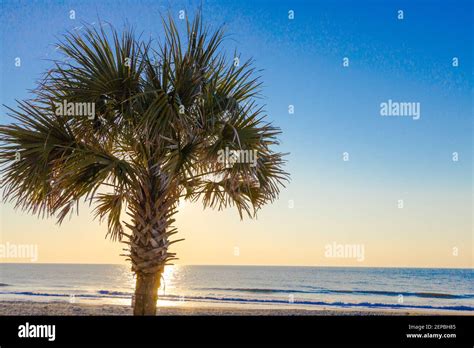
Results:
[64, 308]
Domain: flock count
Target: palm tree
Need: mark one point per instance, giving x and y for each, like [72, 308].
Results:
[162, 118]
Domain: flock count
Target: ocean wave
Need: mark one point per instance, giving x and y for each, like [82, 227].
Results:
[319, 303]
[114, 293]
[125, 295]
[350, 292]
[99, 294]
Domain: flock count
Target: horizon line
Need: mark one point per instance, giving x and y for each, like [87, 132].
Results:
[233, 265]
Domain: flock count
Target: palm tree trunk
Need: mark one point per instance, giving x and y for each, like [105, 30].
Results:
[151, 210]
[146, 293]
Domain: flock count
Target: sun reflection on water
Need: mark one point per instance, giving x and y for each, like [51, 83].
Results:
[168, 286]
[168, 281]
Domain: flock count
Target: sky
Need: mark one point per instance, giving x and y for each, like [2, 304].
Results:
[389, 184]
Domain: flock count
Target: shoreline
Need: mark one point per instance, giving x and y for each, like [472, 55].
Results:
[31, 308]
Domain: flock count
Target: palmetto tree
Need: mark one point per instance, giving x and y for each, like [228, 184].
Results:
[162, 118]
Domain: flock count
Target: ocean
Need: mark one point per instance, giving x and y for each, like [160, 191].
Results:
[249, 286]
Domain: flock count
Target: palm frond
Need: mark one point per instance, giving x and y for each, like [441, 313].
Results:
[162, 115]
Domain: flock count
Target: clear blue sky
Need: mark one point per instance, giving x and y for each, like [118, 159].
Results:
[336, 108]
